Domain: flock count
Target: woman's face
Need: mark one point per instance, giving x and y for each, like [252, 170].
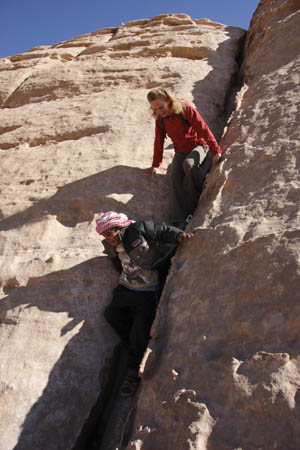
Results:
[161, 107]
[112, 236]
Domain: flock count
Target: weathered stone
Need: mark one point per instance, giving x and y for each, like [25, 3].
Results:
[228, 321]
[223, 370]
[75, 135]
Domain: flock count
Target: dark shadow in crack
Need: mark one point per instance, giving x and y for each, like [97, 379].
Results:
[206, 103]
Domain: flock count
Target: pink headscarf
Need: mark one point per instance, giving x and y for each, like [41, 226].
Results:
[111, 219]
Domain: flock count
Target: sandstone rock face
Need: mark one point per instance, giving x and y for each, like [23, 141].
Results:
[224, 371]
[75, 134]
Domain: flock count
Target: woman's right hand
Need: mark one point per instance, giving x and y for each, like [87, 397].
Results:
[151, 170]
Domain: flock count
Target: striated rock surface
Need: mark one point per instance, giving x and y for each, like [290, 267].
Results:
[75, 134]
[224, 371]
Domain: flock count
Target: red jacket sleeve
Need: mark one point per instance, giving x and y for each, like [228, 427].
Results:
[201, 127]
[160, 135]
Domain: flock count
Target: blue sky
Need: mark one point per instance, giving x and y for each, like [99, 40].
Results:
[29, 23]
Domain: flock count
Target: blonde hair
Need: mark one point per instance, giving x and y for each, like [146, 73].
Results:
[176, 105]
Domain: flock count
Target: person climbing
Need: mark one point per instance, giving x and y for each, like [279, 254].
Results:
[196, 150]
[137, 250]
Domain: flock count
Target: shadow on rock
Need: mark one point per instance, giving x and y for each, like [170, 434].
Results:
[204, 98]
[83, 369]
[108, 190]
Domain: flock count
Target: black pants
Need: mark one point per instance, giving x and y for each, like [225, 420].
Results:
[131, 314]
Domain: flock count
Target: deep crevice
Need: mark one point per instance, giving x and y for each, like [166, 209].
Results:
[236, 82]
[95, 434]
[111, 420]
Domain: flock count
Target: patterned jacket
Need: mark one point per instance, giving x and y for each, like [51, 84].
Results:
[147, 243]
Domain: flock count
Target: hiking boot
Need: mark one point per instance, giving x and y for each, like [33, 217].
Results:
[130, 385]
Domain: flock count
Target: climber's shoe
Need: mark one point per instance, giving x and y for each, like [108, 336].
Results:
[130, 385]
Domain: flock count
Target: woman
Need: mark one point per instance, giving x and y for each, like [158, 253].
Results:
[196, 149]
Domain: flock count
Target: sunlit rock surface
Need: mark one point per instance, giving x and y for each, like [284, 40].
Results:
[75, 136]
[224, 372]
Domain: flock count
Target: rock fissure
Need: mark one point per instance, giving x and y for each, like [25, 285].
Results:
[96, 432]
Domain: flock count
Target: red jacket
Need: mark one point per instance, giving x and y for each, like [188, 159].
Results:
[184, 137]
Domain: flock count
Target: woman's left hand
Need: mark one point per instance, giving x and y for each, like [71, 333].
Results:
[216, 158]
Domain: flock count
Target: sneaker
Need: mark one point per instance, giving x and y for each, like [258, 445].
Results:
[130, 385]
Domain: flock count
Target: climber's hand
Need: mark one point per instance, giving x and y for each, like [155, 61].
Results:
[151, 170]
[216, 159]
[184, 237]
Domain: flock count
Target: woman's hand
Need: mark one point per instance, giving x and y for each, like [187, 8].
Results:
[216, 158]
[151, 170]
[184, 237]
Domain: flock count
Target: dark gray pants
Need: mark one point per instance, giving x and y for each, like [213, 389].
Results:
[188, 172]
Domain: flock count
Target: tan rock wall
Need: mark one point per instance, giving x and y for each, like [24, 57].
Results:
[224, 370]
[75, 135]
